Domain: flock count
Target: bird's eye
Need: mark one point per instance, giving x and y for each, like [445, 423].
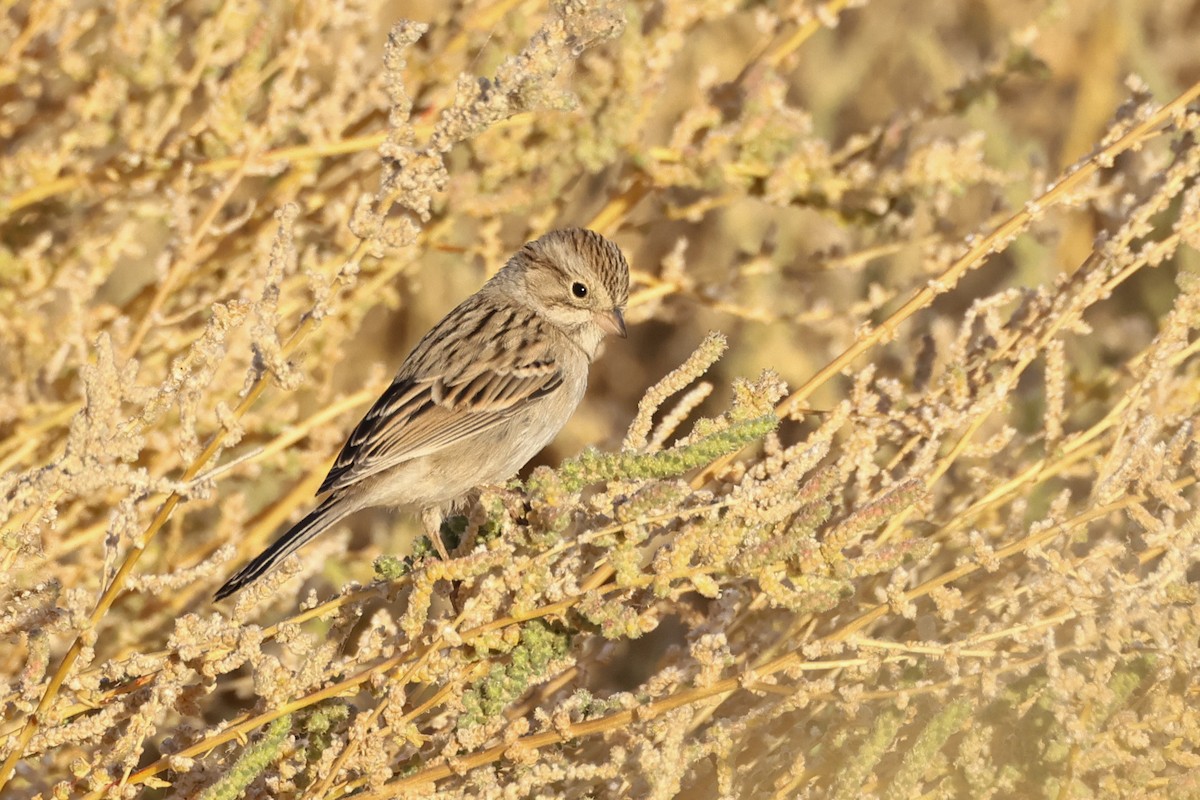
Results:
[579, 290]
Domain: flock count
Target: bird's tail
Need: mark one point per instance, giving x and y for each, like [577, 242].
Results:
[332, 509]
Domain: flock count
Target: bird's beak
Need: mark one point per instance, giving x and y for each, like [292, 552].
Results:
[612, 322]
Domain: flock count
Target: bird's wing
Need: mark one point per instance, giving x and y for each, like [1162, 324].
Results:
[474, 370]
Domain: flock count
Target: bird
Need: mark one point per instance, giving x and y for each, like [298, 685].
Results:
[480, 394]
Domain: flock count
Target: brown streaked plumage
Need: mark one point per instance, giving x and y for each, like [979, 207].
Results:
[481, 393]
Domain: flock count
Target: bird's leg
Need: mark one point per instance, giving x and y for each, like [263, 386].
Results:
[431, 519]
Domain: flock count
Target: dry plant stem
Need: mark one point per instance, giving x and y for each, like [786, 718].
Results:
[614, 212]
[1042, 470]
[358, 595]
[437, 699]
[1018, 369]
[792, 660]
[1079, 446]
[485, 18]
[777, 55]
[25, 517]
[68, 411]
[109, 596]
[917, 691]
[135, 552]
[263, 160]
[138, 547]
[974, 257]
[322, 788]
[27, 439]
[573, 731]
[190, 257]
[1017, 547]
[243, 725]
[933, 688]
[482, 18]
[274, 517]
[269, 632]
[543, 693]
[294, 433]
[260, 161]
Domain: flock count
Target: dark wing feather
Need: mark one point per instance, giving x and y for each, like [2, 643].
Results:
[475, 369]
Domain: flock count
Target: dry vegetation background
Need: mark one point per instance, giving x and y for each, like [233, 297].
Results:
[926, 529]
